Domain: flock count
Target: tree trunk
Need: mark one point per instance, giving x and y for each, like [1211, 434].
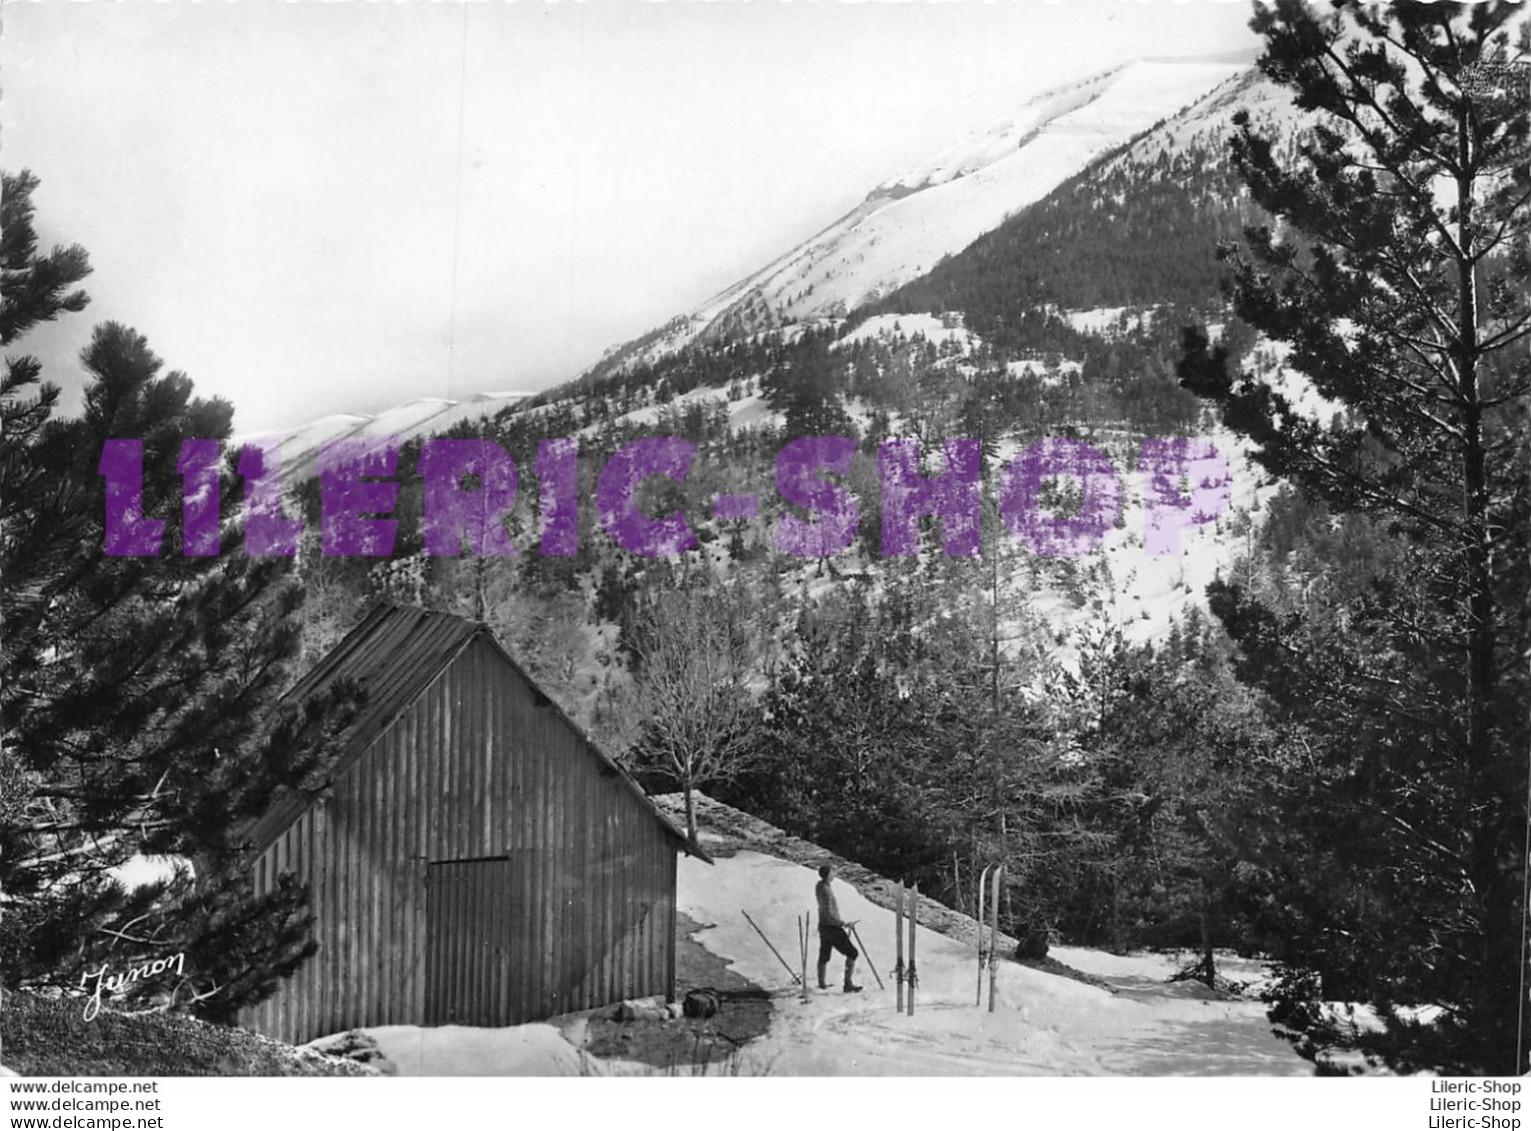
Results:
[690, 813]
[1495, 896]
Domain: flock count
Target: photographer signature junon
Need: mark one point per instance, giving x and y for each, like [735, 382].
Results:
[116, 983]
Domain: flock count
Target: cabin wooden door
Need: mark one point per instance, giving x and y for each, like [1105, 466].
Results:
[469, 913]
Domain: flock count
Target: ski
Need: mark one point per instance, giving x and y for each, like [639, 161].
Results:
[999, 875]
[898, 936]
[914, 915]
[983, 887]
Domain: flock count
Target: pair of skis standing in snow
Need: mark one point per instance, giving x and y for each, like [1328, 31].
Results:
[832, 935]
[989, 885]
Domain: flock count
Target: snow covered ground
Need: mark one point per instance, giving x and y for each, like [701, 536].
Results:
[1043, 1025]
[887, 326]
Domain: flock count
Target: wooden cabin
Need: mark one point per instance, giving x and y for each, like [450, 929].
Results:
[474, 858]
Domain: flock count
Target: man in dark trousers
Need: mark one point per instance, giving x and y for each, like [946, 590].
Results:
[832, 932]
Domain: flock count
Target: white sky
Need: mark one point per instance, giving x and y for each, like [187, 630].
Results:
[285, 197]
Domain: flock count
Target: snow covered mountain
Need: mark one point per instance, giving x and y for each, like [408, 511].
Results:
[903, 228]
[1091, 181]
[423, 416]
[1059, 242]
[910, 221]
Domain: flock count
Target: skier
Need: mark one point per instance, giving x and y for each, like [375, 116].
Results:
[832, 932]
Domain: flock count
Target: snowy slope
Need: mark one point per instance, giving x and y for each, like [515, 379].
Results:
[1043, 1025]
[424, 416]
[1126, 587]
[939, 207]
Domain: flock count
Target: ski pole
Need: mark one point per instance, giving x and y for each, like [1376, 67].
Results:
[807, 929]
[870, 963]
[767, 941]
[803, 946]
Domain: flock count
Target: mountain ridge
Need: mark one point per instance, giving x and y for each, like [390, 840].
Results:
[909, 221]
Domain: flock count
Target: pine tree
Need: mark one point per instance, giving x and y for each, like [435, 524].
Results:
[805, 387]
[1398, 279]
[138, 692]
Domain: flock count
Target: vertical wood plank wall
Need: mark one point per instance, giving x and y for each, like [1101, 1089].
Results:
[474, 769]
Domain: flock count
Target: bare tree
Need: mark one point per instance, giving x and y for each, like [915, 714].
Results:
[695, 653]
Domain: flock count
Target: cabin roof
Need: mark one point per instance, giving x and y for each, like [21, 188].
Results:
[392, 656]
